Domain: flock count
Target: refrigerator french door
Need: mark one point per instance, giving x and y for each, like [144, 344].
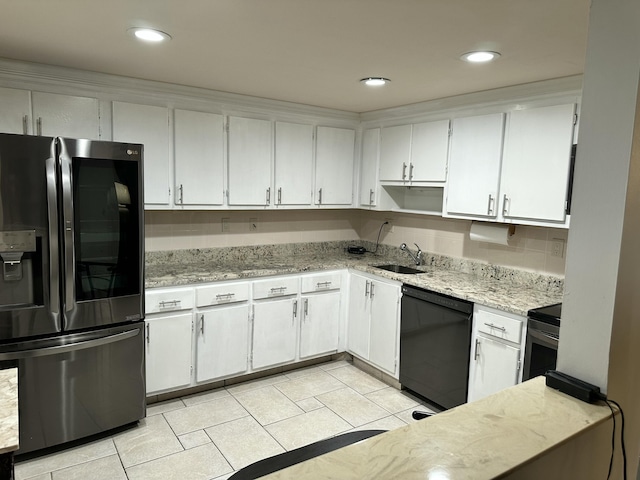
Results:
[71, 289]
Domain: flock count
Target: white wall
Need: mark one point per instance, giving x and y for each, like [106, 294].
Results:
[176, 230]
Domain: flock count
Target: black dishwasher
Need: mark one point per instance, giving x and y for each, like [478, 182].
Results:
[435, 342]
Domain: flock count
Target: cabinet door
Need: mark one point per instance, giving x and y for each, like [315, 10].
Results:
[222, 342]
[320, 317]
[369, 166]
[15, 106]
[359, 312]
[168, 352]
[293, 165]
[429, 149]
[495, 366]
[334, 166]
[148, 125]
[395, 153]
[249, 161]
[274, 332]
[199, 158]
[535, 170]
[66, 116]
[383, 348]
[474, 166]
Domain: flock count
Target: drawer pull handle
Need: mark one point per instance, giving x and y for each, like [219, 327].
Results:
[224, 296]
[323, 284]
[278, 290]
[169, 303]
[497, 327]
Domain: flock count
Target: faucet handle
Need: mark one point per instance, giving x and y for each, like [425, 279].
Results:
[419, 250]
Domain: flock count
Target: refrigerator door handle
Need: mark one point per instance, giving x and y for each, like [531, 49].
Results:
[54, 241]
[69, 347]
[67, 226]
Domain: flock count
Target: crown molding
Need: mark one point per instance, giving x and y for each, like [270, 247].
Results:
[35, 76]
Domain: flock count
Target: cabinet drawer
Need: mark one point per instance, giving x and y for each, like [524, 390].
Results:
[221, 294]
[158, 301]
[275, 287]
[499, 326]
[321, 282]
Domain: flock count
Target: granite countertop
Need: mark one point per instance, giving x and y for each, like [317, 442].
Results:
[485, 439]
[505, 289]
[8, 410]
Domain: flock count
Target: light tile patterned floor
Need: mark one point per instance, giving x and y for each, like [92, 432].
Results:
[212, 434]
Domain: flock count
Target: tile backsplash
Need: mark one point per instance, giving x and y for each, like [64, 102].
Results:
[531, 248]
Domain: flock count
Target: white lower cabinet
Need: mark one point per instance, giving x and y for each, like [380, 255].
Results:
[222, 342]
[374, 316]
[274, 332]
[496, 352]
[359, 316]
[385, 320]
[168, 352]
[320, 323]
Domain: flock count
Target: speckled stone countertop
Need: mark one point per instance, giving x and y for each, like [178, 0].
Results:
[8, 410]
[481, 440]
[504, 288]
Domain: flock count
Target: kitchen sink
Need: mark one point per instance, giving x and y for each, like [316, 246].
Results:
[399, 269]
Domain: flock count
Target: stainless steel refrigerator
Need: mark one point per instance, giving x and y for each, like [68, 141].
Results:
[71, 286]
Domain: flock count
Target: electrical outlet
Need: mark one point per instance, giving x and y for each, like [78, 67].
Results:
[226, 227]
[389, 227]
[557, 247]
[253, 224]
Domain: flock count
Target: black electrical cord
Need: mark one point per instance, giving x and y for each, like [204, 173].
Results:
[378, 240]
[613, 436]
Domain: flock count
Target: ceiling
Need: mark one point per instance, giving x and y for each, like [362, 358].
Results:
[307, 51]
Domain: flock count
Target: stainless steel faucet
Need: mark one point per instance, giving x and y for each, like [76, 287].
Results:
[417, 258]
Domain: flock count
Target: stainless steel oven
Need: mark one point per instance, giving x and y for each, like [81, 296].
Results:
[543, 333]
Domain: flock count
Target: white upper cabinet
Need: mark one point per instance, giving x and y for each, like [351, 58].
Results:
[66, 116]
[535, 169]
[250, 153]
[414, 153]
[49, 114]
[149, 125]
[395, 153]
[429, 149]
[199, 158]
[334, 166]
[15, 106]
[474, 166]
[369, 167]
[293, 164]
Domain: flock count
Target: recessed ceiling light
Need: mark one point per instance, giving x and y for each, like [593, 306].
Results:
[479, 57]
[375, 81]
[149, 34]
